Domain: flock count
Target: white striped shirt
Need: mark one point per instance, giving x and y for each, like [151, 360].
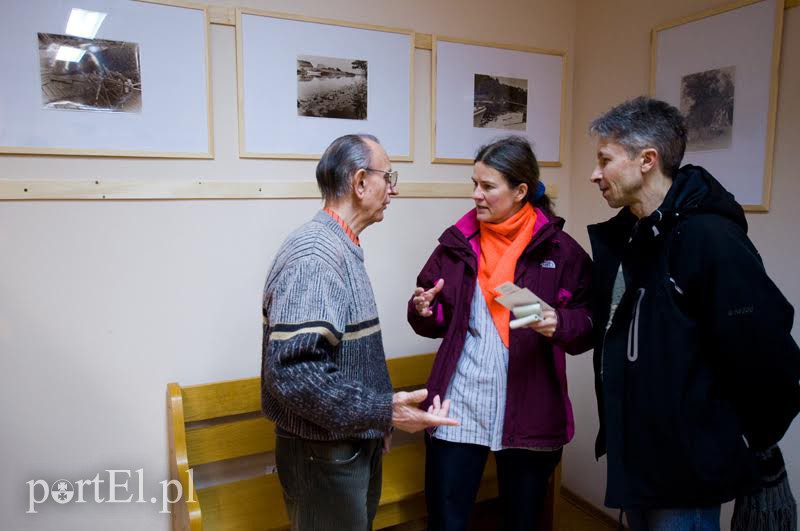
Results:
[477, 391]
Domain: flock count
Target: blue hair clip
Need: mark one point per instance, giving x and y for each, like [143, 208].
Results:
[539, 191]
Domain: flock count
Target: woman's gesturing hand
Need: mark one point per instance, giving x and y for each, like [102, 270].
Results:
[423, 299]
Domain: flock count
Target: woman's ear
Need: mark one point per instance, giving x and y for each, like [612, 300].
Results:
[521, 192]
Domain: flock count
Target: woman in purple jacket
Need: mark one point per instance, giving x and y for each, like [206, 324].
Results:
[506, 384]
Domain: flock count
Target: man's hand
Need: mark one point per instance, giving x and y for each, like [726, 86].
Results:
[423, 299]
[547, 326]
[408, 417]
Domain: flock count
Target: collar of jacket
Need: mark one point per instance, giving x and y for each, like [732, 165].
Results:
[693, 191]
[615, 232]
[464, 237]
[625, 227]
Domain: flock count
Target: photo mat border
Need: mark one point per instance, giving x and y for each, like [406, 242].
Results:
[519, 48]
[243, 152]
[210, 154]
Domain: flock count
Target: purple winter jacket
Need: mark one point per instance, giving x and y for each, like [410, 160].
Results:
[538, 411]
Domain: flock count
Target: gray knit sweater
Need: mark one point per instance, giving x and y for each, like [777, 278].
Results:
[323, 369]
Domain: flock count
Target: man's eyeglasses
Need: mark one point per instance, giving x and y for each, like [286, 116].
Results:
[390, 176]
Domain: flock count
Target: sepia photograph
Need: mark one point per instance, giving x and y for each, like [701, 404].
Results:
[89, 74]
[331, 87]
[500, 102]
[707, 104]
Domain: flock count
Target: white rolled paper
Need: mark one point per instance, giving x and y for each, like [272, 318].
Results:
[525, 311]
[524, 321]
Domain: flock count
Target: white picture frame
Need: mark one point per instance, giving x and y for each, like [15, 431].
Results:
[461, 121]
[720, 67]
[172, 79]
[269, 48]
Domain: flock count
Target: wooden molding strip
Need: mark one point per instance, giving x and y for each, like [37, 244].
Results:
[470, 162]
[222, 15]
[700, 15]
[424, 41]
[118, 189]
[226, 16]
[22, 190]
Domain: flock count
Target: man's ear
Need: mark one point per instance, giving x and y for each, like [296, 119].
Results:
[360, 183]
[649, 159]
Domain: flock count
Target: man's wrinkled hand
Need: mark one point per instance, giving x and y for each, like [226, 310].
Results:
[407, 416]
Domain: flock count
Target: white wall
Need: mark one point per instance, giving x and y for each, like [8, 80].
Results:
[612, 64]
[103, 303]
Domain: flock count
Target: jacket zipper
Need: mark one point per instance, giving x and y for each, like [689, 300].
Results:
[633, 331]
[611, 314]
[603, 345]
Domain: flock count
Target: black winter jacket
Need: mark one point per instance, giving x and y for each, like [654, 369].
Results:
[698, 367]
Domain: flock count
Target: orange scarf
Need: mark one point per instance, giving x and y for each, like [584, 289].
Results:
[501, 246]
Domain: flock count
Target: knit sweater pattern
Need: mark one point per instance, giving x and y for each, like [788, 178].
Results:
[323, 370]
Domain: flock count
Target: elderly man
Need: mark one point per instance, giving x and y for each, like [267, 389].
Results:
[696, 370]
[324, 377]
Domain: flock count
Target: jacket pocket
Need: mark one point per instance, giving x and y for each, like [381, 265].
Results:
[718, 453]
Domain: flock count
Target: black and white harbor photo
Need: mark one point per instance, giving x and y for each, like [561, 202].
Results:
[331, 87]
[500, 103]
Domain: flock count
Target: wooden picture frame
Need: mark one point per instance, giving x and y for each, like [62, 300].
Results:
[279, 54]
[148, 61]
[720, 67]
[492, 81]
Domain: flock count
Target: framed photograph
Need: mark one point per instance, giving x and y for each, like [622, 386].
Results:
[107, 78]
[482, 91]
[720, 68]
[304, 82]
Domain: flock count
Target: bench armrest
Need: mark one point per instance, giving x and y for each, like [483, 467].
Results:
[186, 515]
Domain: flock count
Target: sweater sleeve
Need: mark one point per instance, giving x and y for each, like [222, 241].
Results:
[434, 326]
[749, 324]
[305, 324]
[574, 332]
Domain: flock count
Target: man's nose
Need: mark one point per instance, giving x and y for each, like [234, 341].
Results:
[596, 175]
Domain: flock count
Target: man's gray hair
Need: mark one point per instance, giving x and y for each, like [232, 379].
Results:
[643, 123]
[345, 156]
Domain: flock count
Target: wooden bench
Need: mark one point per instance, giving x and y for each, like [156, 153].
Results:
[219, 443]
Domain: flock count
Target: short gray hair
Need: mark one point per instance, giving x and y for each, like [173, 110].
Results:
[344, 157]
[643, 123]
